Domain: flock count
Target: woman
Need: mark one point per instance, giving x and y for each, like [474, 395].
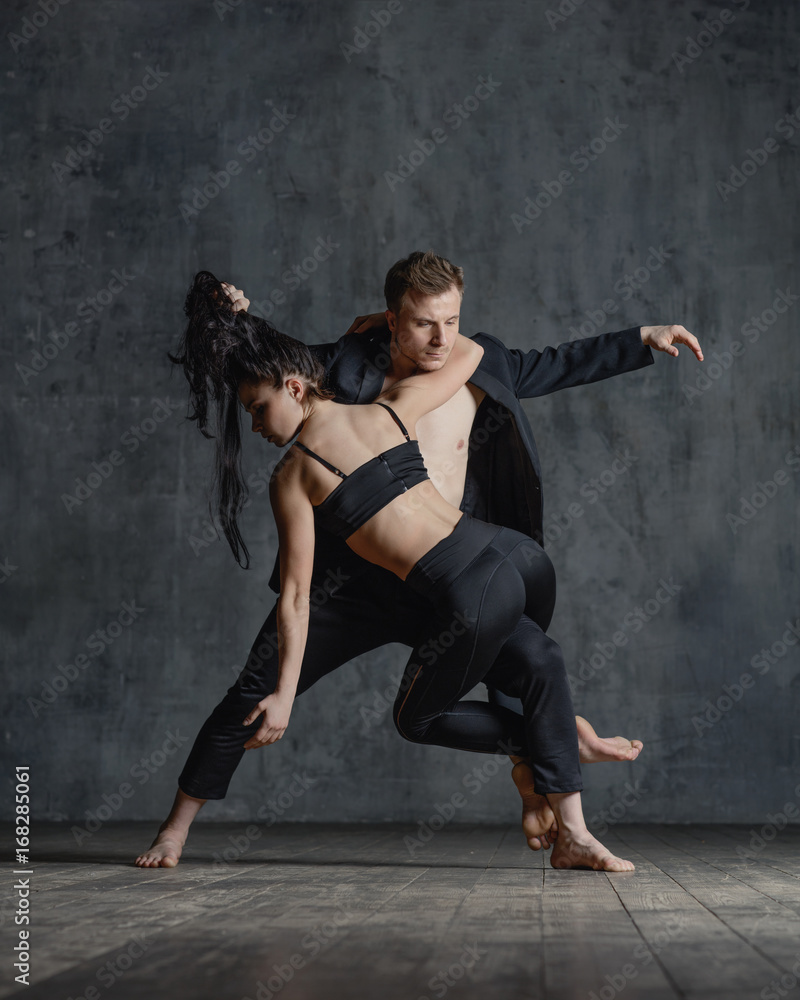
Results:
[356, 471]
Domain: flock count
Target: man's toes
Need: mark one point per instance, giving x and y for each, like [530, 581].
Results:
[612, 864]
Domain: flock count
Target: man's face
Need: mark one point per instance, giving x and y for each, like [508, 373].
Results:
[426, 327]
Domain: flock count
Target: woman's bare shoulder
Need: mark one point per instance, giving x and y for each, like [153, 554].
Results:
[288, 471]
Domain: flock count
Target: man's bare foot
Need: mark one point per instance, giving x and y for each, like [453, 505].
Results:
[594, 749]
[164, 852]
[584, 851]
[538, 819]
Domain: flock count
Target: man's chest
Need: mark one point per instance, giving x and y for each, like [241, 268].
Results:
[443, 436]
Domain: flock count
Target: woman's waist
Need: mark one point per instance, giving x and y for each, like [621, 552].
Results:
[403, 533]
[469, 554]
[438, 570]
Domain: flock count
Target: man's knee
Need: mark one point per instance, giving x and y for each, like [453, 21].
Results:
[507, 698]
[408, 727]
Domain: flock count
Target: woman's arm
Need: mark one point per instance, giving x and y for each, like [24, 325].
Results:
[417, 395]
[294, 517]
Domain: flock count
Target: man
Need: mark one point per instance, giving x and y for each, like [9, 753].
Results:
[480, 453]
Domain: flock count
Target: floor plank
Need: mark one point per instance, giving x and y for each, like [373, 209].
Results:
[716, 931]
[374, 911]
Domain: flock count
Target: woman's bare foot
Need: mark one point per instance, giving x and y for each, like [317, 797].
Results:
[165, 850]
[594, 749]
[585, 851]
[538, 820]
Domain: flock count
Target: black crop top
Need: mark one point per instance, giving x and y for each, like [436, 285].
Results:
[373, 485]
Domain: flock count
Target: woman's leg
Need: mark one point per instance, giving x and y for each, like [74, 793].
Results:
[481, 579]
[531, 667]
[166, 849]
[480, 604]
[487, 597]
[349, 622]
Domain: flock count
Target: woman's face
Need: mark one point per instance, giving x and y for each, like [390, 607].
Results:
[276, 412]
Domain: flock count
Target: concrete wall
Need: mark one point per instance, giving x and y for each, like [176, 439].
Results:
[106, 238]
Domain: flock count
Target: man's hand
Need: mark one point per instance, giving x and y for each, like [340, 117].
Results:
[362, 324]
[276, 709]
[236, 295]
[664, 338]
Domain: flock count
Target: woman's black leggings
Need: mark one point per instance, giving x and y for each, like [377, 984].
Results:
[480, 580]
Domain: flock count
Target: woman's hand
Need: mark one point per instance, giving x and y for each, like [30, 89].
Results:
[276, 709]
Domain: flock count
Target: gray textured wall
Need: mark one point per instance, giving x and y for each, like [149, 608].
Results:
[200, 79]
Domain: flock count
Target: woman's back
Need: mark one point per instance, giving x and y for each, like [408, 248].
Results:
[363, 474]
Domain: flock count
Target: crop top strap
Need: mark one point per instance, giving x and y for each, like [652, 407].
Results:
[323, 461]
[396, 419]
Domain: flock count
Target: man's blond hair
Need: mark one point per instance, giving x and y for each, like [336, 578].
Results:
[426, 273]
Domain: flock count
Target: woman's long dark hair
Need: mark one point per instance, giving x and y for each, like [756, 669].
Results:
[219, 350]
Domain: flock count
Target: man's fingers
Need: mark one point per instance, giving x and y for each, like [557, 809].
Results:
[694, 343]
[664, 338]
[355, 326]
[683, 335]
[361, 324]
[236, 297]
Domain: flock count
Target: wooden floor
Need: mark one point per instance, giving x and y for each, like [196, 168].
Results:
[309, 911]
